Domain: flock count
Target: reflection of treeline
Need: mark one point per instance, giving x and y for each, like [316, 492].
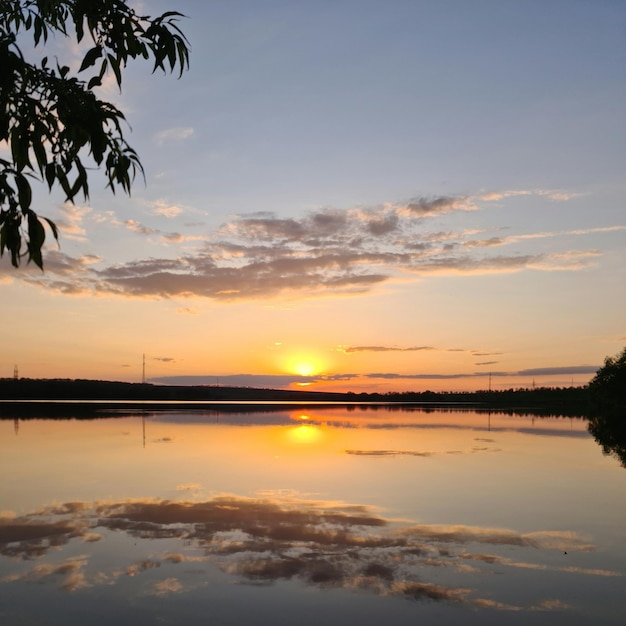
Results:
[553, 400]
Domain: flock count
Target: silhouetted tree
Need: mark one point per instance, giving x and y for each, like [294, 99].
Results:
[607, 390]
[51, 120]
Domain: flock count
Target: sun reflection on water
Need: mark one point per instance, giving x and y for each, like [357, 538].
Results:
[304, 434]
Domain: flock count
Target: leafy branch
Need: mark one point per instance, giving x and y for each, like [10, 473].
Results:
[51, 120]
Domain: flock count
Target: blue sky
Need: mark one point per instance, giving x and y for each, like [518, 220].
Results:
[424, 191]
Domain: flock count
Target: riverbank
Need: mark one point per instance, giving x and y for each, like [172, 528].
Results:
[57, 392]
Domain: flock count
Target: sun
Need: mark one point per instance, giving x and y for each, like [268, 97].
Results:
[304, 368]
[304, 361]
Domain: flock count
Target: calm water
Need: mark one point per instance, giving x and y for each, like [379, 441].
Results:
[323, 515]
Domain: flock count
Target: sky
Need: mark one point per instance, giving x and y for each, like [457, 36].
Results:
[349, 196]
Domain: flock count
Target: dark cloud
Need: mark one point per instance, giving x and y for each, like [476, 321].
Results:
[485, 243]
[556, 371]
[237, 380]
[328, 223]
[349, 349]
[352, 349]
[540, 371]
[264, 228]
[384, 225]
[426, 207]
[283, 381]
[395, 376]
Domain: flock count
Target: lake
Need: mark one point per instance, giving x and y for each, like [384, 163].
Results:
[309, 515]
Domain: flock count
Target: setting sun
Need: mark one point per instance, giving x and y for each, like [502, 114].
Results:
[304, 368]
[303, 362]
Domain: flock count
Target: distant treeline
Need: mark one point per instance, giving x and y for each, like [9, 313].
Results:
[561, 400]
[565, 400]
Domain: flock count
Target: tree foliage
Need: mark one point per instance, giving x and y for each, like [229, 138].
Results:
[608, 387]
[52, 121]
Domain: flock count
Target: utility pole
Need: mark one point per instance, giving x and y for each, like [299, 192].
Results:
[16, 374]
[143, 371]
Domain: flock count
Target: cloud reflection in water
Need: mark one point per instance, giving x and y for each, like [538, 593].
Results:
[261, 541]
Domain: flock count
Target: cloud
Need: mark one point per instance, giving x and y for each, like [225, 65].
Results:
[71, 221]
[165, 209]
[138, 227]
[428, 207]
[176, 133]
[552, 194]
[320, 544]
[396, 376]
[324, 253]
[559, 371]
[539, 371]
[189, 487]
[285, 381]
[351, 349]
[510, 239]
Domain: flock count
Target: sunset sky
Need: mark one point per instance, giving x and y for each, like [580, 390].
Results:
[354, 194]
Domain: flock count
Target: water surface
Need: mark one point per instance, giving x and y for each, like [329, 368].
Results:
[310, 514]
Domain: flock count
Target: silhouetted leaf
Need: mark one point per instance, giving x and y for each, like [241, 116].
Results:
[53, 228]
[24, 191]
[50, 174]
[90, 58]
